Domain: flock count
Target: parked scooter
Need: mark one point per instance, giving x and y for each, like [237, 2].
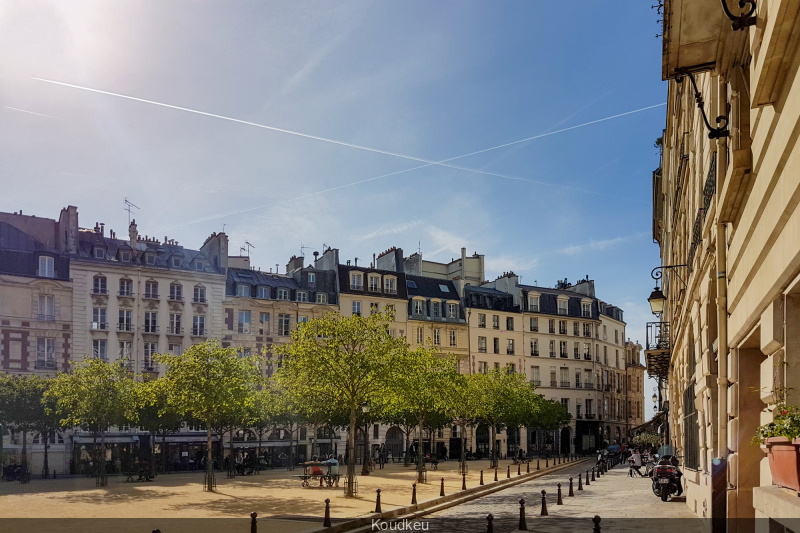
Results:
[667, 478]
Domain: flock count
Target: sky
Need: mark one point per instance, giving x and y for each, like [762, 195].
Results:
[310, 123]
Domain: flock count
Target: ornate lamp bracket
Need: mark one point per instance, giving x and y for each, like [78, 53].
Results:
[744, 20]
[713, 133]
[658, 272]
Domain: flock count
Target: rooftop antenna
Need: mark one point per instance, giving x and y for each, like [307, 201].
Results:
[302, 248]
[223, 228]
[128, 206]
[419, 247]
[248, 245]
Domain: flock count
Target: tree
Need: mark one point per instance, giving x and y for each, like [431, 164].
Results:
[94, 395]
[49, 422]
[156, 415]
[25, 408]
[464, 406]
[345, 360]
[208, 382]
[5, 416]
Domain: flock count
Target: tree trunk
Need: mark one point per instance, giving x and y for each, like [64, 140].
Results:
[232, 461]
[351, 453]
[495, 451]
[420, 456]
[209, 461]
[407, 458]
[2, 459]
[153, 453]
[103, 458]
[164, 451]
[314, 441]
[24, 450]
[46, 446]
[291, 438]
[463, 443]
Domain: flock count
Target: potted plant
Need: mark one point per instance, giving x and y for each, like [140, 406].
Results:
[782, 440]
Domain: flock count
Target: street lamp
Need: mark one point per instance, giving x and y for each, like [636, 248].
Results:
[365, 466]
[657, 301]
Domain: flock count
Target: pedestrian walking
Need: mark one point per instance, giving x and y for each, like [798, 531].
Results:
[635, 463]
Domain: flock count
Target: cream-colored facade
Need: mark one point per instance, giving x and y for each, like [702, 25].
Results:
[727, 220]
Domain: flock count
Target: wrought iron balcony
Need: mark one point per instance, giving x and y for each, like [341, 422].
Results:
[553, 383]
[658, 349]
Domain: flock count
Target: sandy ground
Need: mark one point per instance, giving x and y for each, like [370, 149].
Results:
[277, 497]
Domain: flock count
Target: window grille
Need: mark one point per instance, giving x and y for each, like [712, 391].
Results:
[691, 452]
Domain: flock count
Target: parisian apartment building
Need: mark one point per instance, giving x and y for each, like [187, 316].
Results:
[67, 292]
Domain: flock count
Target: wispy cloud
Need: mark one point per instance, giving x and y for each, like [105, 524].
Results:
[388, 230]
[29, 112]
[591, 246]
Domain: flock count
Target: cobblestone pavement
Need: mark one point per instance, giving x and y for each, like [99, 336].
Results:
[623, 503]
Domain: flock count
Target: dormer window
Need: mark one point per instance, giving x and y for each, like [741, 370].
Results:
[150, 259]
[46, 266]
[374, 284]
[177, 262]
[356, 281]
[99, 252]
[199, 265]
[283, 294]
[242, 290]
[312, 277]
[125, 256]
[533, 303]
[562, 307]
[419, 307]
[322, 298]
[444, 288]
[390, 286]
[302, 296]
[263, 293]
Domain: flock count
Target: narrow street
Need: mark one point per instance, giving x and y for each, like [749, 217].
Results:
[623, 503]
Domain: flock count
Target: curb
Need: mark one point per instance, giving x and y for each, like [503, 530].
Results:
[441, 503]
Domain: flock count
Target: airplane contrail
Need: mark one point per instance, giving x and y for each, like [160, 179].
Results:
[30, 112]
[427, 163]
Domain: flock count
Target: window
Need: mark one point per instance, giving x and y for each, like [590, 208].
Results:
[605, 332]
[588, 408]
[390, 285]
[150, 259]
[242, 290]
[263, 319]
[411, 284]
[301, 320]
[562, 345]
[495, 322]
[99, 318]
[533, 304]
[553, 380]
[374, 284]
[562, 327]
[587, 351]
[322, 298]
[605, 355]
[175, 324]
[552, 348]
[150, 322]
[452, 310]
[483, 367]
[99, 285]
[283, 324]
[576, 352]
[45, 353]
[302, 296]
[150, 349]
[176, 292]
[312, 277]
[578, 379]
[199, 265]
[587, 330]
[199, 294]
[616, 336]
[177, 262]
[586, 310]
[562, 307]
[99, 349]
[263, 292]
[125, 349]
[535, 347]
[453, 338]
[125, 287]
[283, 294]
[576, 329]
[565, 403]
[534, 324]
[175, 348]
[151, 289]
[497, 367]
[420, 336]
[510, 323]
[482, 344]
[436, 337]
[509, 346]
[511, 368]
[552, 326]
[496, 345]
[418, 307]
[356, 282]
[481, 320]
[436, 309]
[244, 322]
[390, 310]
[578, 410]
[357, 308]
[617, 354]
[199, 325]
[46, 266]
[535, 379]
[124, 256]
[373, 308]
[47, 307]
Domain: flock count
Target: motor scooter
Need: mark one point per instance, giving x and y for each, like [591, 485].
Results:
[667, 478]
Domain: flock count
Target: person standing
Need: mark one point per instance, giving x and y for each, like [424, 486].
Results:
[635, 463]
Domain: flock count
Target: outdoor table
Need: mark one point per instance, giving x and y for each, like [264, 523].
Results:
[328, 478]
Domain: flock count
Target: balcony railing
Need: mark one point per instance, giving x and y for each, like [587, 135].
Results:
[44, 317]
[150, 295]
[356, 287]
[552, 354]
[390, 290]
[150, 329]
[578, 385]
[535, 353]
[589, 416]
[100, 326]
[175, 297]
[100, 290]
[553, 383]
[148, 366]
[174, 330]
[565, 384]
[536, 382]
[199, 332]
[587, 357]
[125, 327]
[44, 365]
[200, 300]
[578, 416]
[588, 385]
[125, 293]
[481, 349]
[564, 355]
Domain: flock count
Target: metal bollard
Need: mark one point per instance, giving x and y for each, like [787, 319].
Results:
[580, 479]
[547, 462]
[463, 481]
[559, 501]
[378, 501]
[592, 475]
[481, 477]
[528, 467]
[596, 520]
[508, 472]
[489, 526]
[544, 503]
[253, 522]
[441, 492]
[327, 521]
[587, 478]
[570, 487]
[156, 531]
[495, 473]
[537, 464]
[519, 467]
[414, 494]
[522, 525]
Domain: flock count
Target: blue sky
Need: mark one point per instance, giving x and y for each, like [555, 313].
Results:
[429, 80]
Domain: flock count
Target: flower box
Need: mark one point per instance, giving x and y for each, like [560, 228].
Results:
[784, 462]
